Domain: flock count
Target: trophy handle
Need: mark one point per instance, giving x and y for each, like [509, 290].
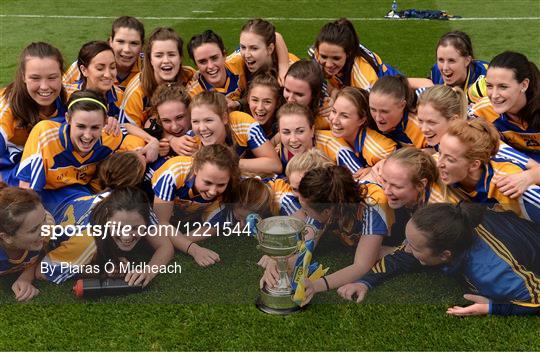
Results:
[252, 220]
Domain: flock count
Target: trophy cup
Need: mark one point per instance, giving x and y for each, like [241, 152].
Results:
[278, 237]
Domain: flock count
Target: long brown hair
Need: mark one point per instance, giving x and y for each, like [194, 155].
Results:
[148, 81]
[14, 204]
[334, 188]
[26, 110]
[267, 31]
[120, 169]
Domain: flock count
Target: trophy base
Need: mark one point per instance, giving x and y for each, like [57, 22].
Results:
[276, 304]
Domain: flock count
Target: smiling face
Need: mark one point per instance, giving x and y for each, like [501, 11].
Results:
[173, 118]
[28, 235]
[101, 72]
[387, 111]
[211, 64]
[345, 120]
[254, 51]
[165, 59]
[211, 181]
[43, 79]
[432, 123]
[127, 224]
[332, 58]
[452, 65]
[398, 186]
[262, 103]
[297, 91]
[505, 93]
[296, 134]
[208, 125]
[127, 45]
[452, 164]
[85, 129]
[417, 244]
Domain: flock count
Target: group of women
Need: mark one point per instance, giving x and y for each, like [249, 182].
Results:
[440, 171]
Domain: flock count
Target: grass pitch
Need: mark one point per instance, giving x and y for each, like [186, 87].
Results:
[212, 309]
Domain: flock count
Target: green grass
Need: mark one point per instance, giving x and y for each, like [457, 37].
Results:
[212, 309]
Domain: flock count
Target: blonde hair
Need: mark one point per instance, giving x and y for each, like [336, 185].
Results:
[312, 158]
[297, 109]
[449, 101]
[420, 164]
[255, 195]
[480, 137]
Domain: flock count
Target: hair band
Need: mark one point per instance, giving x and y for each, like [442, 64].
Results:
[88, 99]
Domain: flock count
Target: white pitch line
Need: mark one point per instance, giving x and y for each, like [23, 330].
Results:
[269, 18]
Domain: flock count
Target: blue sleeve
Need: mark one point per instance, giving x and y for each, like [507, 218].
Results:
[391, 265]
[531, 203]
[348, 159]
[256, 136]
[506, 309]
[509, 153]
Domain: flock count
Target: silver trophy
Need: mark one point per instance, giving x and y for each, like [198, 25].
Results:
[278, 237]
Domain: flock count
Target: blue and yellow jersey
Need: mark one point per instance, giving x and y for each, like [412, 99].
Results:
[361, 74]
[474, 85]
[407, 132]
[234, 88]
[174, 182]
[247, 133]
[334, 148]
[8, 265]
[501, 264]
[13, 137]
[50, 162]
[136, 106]
[371, 147]
[516, 134]
[284, 199]
[486, 192]
[114, 97]
[73, 74]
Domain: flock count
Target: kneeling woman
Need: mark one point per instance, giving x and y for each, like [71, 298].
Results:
[495, 252]
[128, 210]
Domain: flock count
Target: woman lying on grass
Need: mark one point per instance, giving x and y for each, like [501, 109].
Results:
[496, 253]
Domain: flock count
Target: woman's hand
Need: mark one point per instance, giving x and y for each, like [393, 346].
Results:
[353, 291]
[24, 290]
[112, 127]
[184, 145]
[270, 276]
[514, 185]
[203, 257]
[135, 278]
[480, 307]
[164, 147]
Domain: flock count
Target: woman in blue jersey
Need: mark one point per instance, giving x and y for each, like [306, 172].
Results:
[344, 60]
[21, 240]
[122, 217]
[215, 74]
[331, 199]
[391, 106]
[97, 65]
[494, 253]
[457, 67]
[35, 94]
[212, 124]
[264, 99]
[408, 175]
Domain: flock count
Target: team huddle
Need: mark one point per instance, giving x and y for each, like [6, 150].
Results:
[413, 172]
